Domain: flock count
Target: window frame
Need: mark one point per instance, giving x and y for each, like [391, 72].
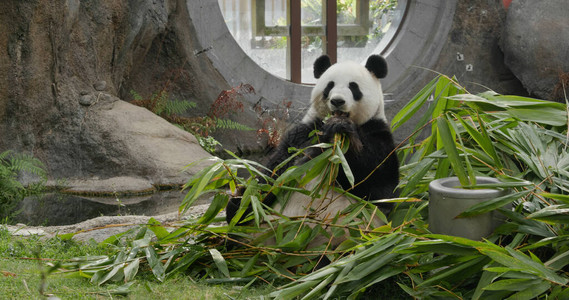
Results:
[294, 30]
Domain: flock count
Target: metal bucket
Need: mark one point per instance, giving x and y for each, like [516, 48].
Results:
[448, 199]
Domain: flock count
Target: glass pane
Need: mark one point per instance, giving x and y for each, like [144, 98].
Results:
[268, 50]
[359, 35]
[312, 17]
[275, 13]
[260, 28]
[311, 12]
[346, 10]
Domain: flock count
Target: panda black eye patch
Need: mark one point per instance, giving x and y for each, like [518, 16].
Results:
[327, 90]
[356, 92]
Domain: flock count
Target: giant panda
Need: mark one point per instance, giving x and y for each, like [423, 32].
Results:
[347, 99]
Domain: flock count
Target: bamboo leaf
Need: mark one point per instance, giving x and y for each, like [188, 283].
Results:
[552, 214]
[531, 292]
[486, 278]
[345, 166]
[220, 262]
[413, 105]
[559, 261]
[362, 270]
[317, 289]
[158, 230]
[294, 173]
[462, 241]
[511, 284]
[249, 265]
[117, 265]
[448, 141]
[345, 270]
[558, 197]
[418, 173]
[519, 101]
[252, 190]
[154, 263]
[299, 240]
[453, 270]
[198, 187]
[292, 291]
[441, 247]
[382, 274]
[131, 270]
[218, 203]
[518, 261]
[441, 96]
[469, 170]
[482, 139]
[544, 115]
[187, 260]
[492, 204]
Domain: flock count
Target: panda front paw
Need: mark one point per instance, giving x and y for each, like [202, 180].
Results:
[337, 124]
[341, 125]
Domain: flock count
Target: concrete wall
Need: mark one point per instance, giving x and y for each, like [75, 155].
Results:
[430, 37]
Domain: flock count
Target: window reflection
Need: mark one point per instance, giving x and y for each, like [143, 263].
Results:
[260, 27]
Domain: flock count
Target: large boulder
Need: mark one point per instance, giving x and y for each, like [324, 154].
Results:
[535, 42]
[66, 69]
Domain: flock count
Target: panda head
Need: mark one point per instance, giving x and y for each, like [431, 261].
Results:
[348, 89]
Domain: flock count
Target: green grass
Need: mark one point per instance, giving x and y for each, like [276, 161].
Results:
[21, 275]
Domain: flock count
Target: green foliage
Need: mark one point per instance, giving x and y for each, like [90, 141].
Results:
[201, 127]
[231, 125]
[208, 143]
[23, 259]
[160, 104]
[177, 107]
[520, 140]
[11, 190]
[510, 137]
[58, 247]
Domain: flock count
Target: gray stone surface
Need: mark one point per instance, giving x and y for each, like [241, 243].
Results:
[115, 185]
[136, 141]
[67, 65]
[536, 45]
[101, 228]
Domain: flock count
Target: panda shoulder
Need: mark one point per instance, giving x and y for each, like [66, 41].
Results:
[299, 134]
[376, 125]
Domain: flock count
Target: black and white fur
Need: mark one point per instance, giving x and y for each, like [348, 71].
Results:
[350, 95]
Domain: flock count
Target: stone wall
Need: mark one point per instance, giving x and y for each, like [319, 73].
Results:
[536, 46]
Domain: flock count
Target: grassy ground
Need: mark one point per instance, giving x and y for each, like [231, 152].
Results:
[24, 275]
[21, 275]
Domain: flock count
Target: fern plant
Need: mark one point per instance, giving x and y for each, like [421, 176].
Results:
[11, 190]
[201, 127]
[176, 107]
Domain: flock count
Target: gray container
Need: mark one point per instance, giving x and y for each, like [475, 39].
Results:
[448, 200]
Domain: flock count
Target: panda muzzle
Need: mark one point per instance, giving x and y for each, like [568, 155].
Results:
[339, 113]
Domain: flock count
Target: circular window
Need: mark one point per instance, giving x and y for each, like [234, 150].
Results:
[264, 30]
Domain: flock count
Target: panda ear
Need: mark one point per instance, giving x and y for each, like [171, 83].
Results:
[377, 65]
[321, 65]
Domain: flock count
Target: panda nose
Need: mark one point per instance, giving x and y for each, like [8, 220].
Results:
[337, 102]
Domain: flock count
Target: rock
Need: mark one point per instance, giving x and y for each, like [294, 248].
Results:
[101, 228]
[133, 140]
[122, 185]
[100, 85]
[23, 230]
[67, 104]
[87, 100]
[535, 42]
